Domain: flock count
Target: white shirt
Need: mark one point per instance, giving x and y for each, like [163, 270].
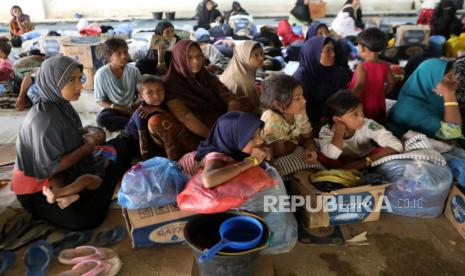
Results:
[360, 144]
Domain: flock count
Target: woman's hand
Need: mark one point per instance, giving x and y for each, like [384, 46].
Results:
[21, 104]
[446, 89]
[146, 111]
[261, 154]
[161, 50]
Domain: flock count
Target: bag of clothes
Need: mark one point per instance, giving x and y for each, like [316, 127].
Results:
[152, 183]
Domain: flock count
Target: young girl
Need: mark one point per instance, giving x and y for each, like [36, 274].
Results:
[347, 141]
[115, 86]
[287, 128]
[373, 79]
[234, 137]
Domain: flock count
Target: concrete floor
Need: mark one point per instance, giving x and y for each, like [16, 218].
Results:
[397, 246]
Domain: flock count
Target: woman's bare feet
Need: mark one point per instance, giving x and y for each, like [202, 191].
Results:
[49, 194]
[65, 201]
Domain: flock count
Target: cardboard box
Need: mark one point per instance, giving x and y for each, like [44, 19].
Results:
[156, 226]
[86, 50]
[362, 196]
[412, 35]
[455, 209]
[89, 72]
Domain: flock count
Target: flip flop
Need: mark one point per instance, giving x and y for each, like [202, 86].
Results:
[7, 260]
[71, 240]
[15, 228]
[109, 237]
[37, 258]
[39, 230]
[85, 253]
[94, 268]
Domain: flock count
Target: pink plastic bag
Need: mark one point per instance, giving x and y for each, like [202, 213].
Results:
[231, 194]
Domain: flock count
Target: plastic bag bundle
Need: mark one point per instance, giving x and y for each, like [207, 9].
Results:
[152, 183]
[418, 188]
[282, 225]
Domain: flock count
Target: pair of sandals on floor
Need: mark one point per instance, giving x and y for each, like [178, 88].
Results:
[39, 254]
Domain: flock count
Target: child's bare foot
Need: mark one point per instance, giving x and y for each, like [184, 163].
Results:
[65, 201]
[49, 194]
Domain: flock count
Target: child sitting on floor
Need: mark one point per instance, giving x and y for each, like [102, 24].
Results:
[287, 128]
[6, 66]
[152, 94]
[234, 137]
[115, 86]
[58, 192]
[373, 78]
[349, 139]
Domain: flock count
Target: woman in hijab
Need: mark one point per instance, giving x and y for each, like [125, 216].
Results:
[354, 9]
[209, 14]
[444, 20]
[317, 28]
[320, 75]
[195, 99]
[300, 14]
[239, 76]
[20, 23]
[237, 8]
[427, 102]
[157, 61]
[51, 143]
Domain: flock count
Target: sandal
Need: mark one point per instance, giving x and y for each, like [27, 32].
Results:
[110, 237]
[71, 240]
[7, 260]
[37, 258]
[95, 268]
[85, 253]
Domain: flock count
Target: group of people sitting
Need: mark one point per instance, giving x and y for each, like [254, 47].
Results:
[323, 116]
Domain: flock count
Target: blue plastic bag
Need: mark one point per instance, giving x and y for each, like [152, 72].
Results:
[418, 188]
[152, 183]
[30, 35]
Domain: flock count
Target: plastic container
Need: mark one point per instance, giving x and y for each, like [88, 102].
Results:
[157, 15]
[170, 16]
[436, 45]
[202, 232]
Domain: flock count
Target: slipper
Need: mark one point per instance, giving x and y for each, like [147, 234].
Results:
[110, 237]
[37, 258]
[71, 240]
[95, 268]
[38, 230]
[84, 253]
[15, 228]
[7, 260]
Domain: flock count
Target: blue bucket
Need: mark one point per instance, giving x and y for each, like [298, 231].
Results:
[436, 45]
